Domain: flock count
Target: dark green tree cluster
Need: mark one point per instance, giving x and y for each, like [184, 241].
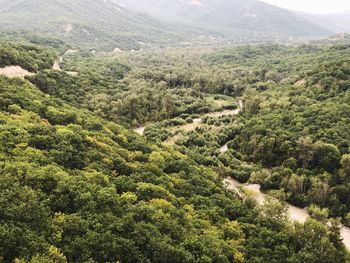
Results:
[77, 188]
[297, 128]
[293, 134]
[104, 87]
[30, 57]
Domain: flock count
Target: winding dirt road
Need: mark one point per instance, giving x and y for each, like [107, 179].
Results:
[198, 122]
[295, 213]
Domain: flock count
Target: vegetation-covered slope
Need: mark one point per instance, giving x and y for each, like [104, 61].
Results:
[78, 188]
[29, 57]
[239, 20]
[87, 24]
[338, 23]
[109, 25]
[293, 135]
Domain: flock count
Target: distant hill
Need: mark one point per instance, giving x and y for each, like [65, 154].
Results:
[236, 18]
[135, 24]
[90, 23]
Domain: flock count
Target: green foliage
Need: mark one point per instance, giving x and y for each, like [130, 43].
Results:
[30, 57]
[84, 190]
[140, 24]
[77, 187]
[89, 24]
[294, 121]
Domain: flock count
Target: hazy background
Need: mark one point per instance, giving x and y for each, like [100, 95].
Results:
[314, 6]
[107, 25]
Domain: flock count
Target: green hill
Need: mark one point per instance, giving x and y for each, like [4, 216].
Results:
[137, 24]
[240, 20]
[87, 23]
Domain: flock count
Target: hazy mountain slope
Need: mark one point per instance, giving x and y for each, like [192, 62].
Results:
[337, 39]
[228, 16]
[86, 22]
[337, 23]
[133, 24]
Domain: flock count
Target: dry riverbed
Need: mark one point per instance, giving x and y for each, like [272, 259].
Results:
[295, 213]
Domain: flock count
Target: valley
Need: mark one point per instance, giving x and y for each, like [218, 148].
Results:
[249, 116]
[195, 123]
[252, 190]
[173, 131]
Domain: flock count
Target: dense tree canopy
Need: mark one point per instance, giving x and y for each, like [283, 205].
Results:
[77, 186]
[30, 57]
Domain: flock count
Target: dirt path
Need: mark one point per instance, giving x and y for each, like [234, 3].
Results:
[198, 122]
[224, 148]
[295, 213]
[56, 65]
[15, 72]
[70, 51]
[140, 130]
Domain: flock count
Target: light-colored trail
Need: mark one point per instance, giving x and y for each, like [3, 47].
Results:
[56, 65]
[198, 122]
[140, 130]
[295, 213]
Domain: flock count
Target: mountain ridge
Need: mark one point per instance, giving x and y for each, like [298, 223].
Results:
[230, 16]
[86, 21]
[136, 24]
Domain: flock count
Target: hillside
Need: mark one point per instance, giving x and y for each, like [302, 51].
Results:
[173, 131]
[87, 23]
[138, 24]
[341, 38]
[337, 23]
[76, 187]
[247, 20]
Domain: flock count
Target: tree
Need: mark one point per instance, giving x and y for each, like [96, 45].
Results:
[296, 184]
[318, 214]
[345, 168]
[319, 191]
[305, 150]
[314, 244]
[251, 102]
[274, 213]
[326, 156]
[157, 159]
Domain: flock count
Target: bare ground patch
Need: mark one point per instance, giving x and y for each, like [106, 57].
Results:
[15, 72]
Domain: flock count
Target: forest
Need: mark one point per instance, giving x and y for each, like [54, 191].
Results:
[78, 185]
